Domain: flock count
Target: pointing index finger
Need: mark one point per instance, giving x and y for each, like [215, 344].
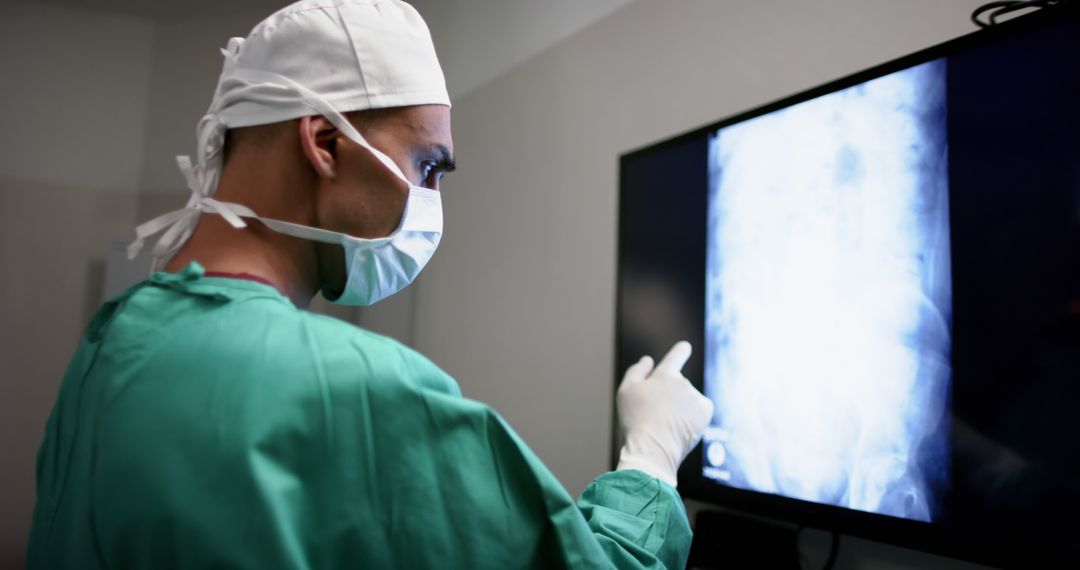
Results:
[676, 358]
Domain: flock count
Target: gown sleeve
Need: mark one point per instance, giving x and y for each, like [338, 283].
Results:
[624, 519]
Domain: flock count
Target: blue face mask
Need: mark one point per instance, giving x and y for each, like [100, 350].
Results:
[378, 268]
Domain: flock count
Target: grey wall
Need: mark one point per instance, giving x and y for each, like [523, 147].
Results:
[186, 64]
[466, 31]
[73, 114]
[518, 304]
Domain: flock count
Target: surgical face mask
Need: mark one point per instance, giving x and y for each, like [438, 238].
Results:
[378, 268]
[375, 268]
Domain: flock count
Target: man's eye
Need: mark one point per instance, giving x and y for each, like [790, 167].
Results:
[426, 168]
[430, 173]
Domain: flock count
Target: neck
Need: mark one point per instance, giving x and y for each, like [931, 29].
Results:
[290, 264]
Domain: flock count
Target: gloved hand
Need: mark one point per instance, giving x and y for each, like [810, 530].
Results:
[661, 413]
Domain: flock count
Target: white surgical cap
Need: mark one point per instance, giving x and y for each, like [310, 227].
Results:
[314, 57]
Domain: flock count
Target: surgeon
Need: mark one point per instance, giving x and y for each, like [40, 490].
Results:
[208, 420]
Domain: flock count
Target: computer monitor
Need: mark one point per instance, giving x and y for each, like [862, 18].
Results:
[881, 278]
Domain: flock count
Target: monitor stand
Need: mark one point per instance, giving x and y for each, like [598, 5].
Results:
[726, 540]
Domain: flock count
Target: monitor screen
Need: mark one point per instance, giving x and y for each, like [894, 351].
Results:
[828, 298]
[881, 277]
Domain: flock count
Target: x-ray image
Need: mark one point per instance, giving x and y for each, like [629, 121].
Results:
[828, 295]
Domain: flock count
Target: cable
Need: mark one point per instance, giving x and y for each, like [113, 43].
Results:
[995, 10]
[834, 551]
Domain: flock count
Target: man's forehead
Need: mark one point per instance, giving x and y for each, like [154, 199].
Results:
[432, 119]
[432, 125]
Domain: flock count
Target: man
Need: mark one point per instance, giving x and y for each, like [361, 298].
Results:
[207, 420]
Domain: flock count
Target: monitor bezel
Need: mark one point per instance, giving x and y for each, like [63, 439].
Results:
[692, 483]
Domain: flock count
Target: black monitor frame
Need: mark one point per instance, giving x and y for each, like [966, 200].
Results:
[692, 484]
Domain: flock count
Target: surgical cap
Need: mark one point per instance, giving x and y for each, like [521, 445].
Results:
[357, 54]
[313, 57]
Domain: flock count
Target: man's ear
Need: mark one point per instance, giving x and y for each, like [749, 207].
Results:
[318, 138]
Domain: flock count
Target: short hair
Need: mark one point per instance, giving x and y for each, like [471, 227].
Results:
[261, 137]
[258, 137]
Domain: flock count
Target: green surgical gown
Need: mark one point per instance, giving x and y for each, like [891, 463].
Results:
[207, 422]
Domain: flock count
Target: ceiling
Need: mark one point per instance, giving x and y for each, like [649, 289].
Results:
[479, 40]
[168, 9]
[465, 31]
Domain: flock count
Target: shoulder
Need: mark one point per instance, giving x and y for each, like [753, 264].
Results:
[343, 345]
[257, 334]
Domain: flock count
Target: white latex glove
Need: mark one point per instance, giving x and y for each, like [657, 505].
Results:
[662, 415]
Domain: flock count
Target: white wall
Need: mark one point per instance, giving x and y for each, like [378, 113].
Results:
[73, 114]
[518, 304]
[479, 40]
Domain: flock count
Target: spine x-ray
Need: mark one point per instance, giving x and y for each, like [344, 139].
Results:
[828, 295]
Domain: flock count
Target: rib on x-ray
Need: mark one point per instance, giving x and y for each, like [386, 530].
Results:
[828, 310]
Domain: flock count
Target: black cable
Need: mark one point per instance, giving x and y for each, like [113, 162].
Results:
[995, 10]
[987, 8]
[834, 551]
